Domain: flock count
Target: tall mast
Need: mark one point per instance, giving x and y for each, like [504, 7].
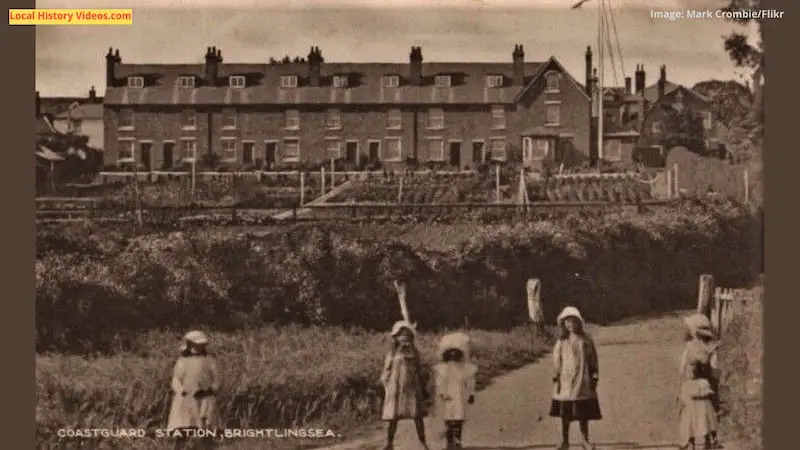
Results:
[600, 70]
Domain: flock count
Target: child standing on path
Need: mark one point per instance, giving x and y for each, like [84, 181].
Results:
[195, 382]
[455, 385]
[576, 377]
[702, 348]
[698, 419]
[405, 392]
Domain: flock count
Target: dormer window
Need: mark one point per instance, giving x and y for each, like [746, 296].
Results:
[391, 81]
[289, 81]
[552, 79]
[186, 82]
[442, 81]
[494, 81]
[136, 82]
[340, 81]
[236, 81]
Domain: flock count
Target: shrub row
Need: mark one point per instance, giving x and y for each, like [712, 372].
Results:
[99, 292]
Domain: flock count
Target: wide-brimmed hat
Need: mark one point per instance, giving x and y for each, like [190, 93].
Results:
[454, 341]
[403, 325]
[699, 324]
[195, 337]
[569, 311]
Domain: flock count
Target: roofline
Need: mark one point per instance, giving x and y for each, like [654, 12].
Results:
[399, 105]
[541, 71]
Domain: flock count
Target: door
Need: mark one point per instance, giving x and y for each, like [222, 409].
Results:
[271, 154]
[351, 151]
[455, 154]
[477, 152]
[248, 152]
[146, 155]
[169, 155]
[374, 151]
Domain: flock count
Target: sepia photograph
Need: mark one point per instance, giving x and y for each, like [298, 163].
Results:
[378, 225]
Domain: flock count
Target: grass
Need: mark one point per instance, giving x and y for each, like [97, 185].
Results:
[272, 377]
[742, 380]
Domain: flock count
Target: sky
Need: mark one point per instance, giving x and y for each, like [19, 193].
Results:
[71, 59]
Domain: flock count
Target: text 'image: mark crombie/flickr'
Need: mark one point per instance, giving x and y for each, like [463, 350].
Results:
[346, 226]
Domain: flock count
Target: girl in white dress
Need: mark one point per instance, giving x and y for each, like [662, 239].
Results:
[455, 385]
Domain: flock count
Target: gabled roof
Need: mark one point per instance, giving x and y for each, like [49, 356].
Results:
[651, 92]
[84, 111]
[544, 69]
[57, 105]
[468, 84]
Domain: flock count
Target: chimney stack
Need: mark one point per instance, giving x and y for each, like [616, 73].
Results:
[518, 57]
[314, 66]
[92, 94]
[593, 82]
[589, 71]
[112, 59]
[415, 69]
[213, 60]
[38, 105]
[627, 85]
[662, 81]
[640, 78]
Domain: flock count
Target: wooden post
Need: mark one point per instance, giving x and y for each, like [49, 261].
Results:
[669, 183]
[333, 171]
[400, 287]
[400, 191]
[746, 186]
[302, 188]
[322, 180]
[705, 293]
[136, 193]
[533, 291]
[497, 184]
[675, 184]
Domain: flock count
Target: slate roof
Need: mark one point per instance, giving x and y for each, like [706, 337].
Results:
[468, 84]
[651, 92]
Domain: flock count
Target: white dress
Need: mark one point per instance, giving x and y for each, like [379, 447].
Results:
[190, 375]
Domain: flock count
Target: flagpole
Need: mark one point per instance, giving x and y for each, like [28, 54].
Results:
[600, 70]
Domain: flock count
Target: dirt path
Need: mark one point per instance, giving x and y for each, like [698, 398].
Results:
[638, 365]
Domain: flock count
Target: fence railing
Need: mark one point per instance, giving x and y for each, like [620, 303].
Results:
[720, 305]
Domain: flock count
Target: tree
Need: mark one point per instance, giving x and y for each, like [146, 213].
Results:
[749, 56]
[683, 127]
[731, 102]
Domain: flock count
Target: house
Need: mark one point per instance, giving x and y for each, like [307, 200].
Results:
[78, 115]
[308, 111]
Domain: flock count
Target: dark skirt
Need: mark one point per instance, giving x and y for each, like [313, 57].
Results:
[576, 410]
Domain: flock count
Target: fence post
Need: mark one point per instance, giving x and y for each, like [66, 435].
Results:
[497, 183]
[746, 186]
[535, 313]
[322, 180]
[668, 173]
[400, 191]
[704, 294]
[302, 188]
[676, 185]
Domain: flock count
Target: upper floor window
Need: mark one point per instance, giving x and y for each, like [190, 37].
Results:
[289, 81]
[340, 81]
[125, 119]
[498, 117]
[334, 119]
[494, 81]
[135, 82]
[391, 81]
[186, 82]
[553, 79]
[552, 113]
[229, 119]
[188, 119]
[237, 81]
[436, 118]
[291, 119]
[395, 119]
[442, 81]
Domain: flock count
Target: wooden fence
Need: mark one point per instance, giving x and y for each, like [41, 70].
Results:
[720, 305]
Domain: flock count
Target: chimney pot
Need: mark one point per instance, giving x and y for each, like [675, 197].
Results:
[518, 58]
[415, 66]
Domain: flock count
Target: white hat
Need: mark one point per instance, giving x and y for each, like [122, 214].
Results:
[699, 323]
[569, 311]
[403, 324]
[196, 337]
[455, 341]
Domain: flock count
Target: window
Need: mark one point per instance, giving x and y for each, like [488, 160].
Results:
[228, 150]
[498, 148]
[291, 119]
[289, 81]
[436, 119]
[334, 119]
[498, 117]
[188, 120]
[493, 81]
[552, 114]
[707, 120]
[186, 82]
[340, 81]
[126, 119]
[442, 81]
[541, 148]
[237, 81]
[291, 150]
[333, 148]
[393, 150]
[135, 82]
[188, 149]
[391, 81]
[436, 149]
[657, 127]
[126, 150]
[552, 81]
[75, 126]
[612, 150]
[229, 119]
[395, 120]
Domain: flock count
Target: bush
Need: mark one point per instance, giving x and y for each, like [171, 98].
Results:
[611, 267]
